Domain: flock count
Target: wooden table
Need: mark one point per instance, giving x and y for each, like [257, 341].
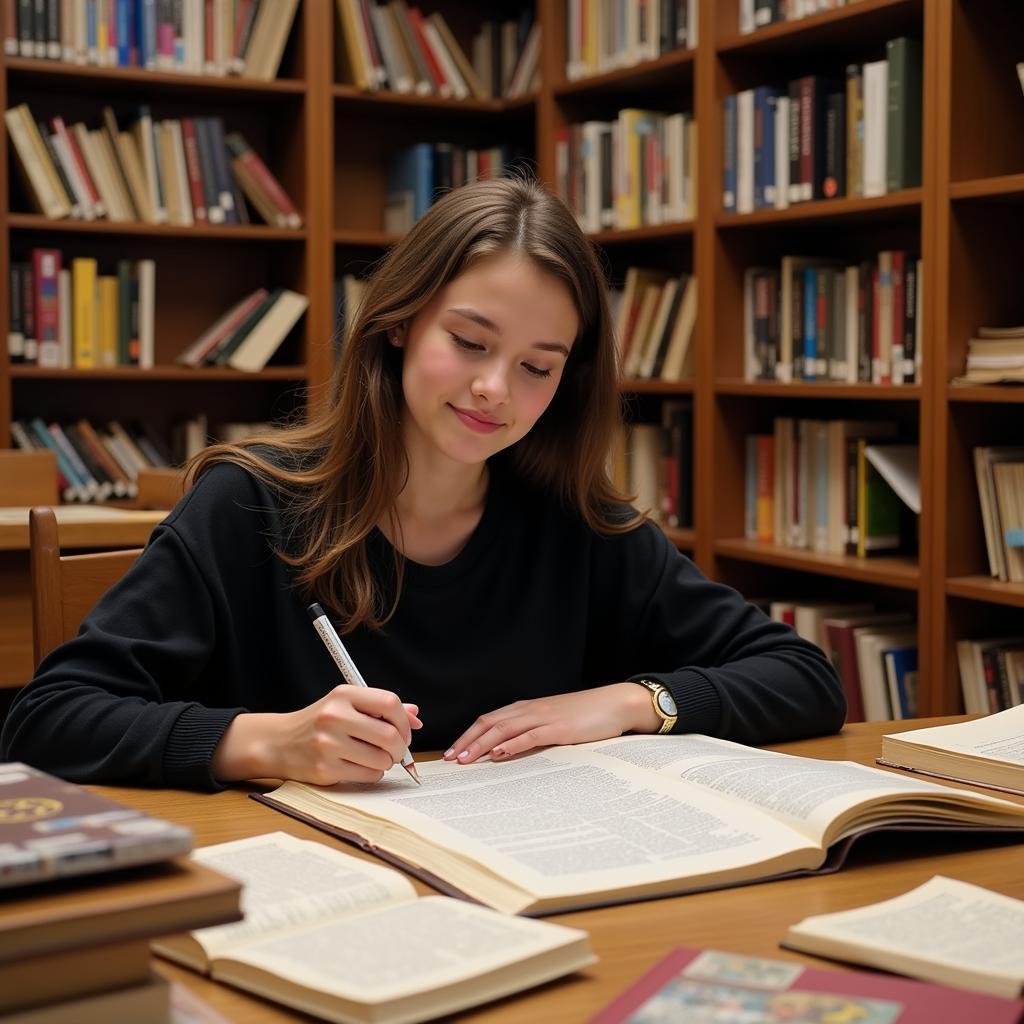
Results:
[81, 527]
[629, 939]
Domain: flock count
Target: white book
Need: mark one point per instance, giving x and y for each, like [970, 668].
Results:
[591, 161]
[266, 337]
[781, 152]
[147, 313]
[870, 642]
[876, 107]
[745, 151]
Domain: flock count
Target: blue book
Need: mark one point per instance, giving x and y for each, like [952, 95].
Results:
[810, 323]
[729, 159]
[764, 147]
[125, 32]
[901, 675]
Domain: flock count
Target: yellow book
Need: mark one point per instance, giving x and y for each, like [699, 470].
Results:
[83, 289]
[634, 125]
[107, 335]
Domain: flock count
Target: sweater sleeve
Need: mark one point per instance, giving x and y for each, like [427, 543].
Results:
[120, 703]
[734, 672]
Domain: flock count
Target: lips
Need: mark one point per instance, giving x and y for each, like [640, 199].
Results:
[479, 422]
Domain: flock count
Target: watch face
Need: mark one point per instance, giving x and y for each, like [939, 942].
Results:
[666, 703]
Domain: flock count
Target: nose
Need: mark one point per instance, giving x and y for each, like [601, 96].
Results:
[491, 383]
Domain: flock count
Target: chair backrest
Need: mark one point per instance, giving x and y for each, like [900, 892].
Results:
[160, 488]
[28, 478]
[65, 587]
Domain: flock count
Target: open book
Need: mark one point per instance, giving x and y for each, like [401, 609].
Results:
[985, 752]
[348, 940]
[628, 819]
[945, 931]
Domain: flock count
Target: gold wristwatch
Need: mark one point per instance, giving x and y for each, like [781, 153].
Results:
[663, 702]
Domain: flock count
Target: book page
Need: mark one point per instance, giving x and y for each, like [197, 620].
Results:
[289, 882]
[557, 822]
[406, 948]
[807, 794]
[947, 921]
[997, 738]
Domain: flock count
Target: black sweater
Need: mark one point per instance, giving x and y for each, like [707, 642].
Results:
[208, 624]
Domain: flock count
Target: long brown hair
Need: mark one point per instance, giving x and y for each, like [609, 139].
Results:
[338, 475]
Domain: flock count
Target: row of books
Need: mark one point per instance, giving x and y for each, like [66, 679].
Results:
[874, 653]
[999, 471]
[654, 315]
[101, 462]
[180, 171]
[816, 139]
[755, 14]
[653, 462]
[991, 674]
[995, 356]
[832, 486]
[196, 37]
[394, 46]
[420, 174]
[78, 317]
[603, 35]
[639, 169]
[821, 319]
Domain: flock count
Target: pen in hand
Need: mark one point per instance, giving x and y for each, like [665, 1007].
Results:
[351, 674]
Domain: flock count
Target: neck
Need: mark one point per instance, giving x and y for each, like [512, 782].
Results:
[437, 492]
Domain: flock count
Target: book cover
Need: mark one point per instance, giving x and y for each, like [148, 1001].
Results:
[702, 986]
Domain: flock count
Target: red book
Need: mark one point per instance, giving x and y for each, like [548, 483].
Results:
[898, 302]
[695, 984]
[241, 150]
[436, 71]
[60, 129]
[45, 275]
[193, 169]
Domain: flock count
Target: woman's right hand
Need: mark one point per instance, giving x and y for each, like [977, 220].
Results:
[352, 734]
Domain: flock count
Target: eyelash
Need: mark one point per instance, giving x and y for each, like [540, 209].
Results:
[469, 346]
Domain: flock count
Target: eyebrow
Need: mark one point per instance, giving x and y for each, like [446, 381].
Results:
[490, 325]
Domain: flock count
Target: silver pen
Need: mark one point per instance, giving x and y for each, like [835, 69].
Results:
[348, 669]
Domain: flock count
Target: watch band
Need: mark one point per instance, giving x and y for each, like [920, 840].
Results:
[658, 693]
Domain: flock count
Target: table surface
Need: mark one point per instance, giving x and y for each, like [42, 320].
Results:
[83, 526]
[631, 938]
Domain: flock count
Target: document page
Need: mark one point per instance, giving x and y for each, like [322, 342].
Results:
[557, 823]
[807, 794]
[427, 942]
[945, 920]
[289, 882]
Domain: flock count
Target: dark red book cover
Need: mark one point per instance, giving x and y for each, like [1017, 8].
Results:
[701, 986]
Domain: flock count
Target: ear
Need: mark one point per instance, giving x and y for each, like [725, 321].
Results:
[396, 336]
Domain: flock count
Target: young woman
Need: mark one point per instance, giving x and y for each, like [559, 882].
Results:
[451, 511]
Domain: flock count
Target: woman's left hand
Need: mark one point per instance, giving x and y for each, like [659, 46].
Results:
[596, 714]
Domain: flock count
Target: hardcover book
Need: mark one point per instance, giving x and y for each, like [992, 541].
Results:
[629, 819]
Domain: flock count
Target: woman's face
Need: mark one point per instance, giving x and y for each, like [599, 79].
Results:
[483, 360]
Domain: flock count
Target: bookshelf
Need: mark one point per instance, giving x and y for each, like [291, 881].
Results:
[330, 145]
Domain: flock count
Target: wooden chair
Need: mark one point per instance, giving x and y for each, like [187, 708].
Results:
[65, 587]
[160, 488]
[28, 478]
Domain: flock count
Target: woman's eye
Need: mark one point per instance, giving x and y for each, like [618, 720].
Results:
[536, 371]
[469, 346]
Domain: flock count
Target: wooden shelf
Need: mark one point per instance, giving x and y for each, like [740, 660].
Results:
[684, 539]
[1006, 187]
[985, 588]
[656, 387]
[132, 79]
[651, 74]
[1012, 393]
[819, 389]
[650, 233]
[890, 571]
[866, 19]
[159, 373]
[207, 232]
[905, 202]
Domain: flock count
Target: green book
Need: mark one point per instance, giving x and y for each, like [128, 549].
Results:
[220, 356]
[903, 120]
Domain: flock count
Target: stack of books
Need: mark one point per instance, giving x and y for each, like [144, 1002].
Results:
[995, 356]
[991, 673]
[79, 946]
[655, 313]
[1000, 474]
[756, 14]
